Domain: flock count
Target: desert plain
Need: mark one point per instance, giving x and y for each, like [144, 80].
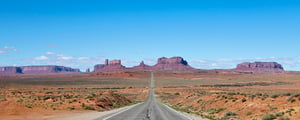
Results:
[211, 94]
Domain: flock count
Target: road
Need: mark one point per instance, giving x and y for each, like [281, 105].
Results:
[149, 110]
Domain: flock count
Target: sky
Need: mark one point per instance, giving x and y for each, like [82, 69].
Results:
[209, 34]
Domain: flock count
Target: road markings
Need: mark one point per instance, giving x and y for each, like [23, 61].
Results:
[122, 111]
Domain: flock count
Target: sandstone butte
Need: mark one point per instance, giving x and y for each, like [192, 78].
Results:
[179, 64]
[174, 63]
[163, 64]
[260, 67]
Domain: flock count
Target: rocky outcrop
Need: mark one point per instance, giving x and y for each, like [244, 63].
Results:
[99, 67]
[174, 63]
[260, 67]
[44, 69]
[87, 70]
[10, 70]
[109, 66]
[47, 69]
[142, 66]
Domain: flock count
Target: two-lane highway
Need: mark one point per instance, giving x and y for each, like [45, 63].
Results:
[149, 110]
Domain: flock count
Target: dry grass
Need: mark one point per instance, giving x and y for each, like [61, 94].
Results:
[250, 96]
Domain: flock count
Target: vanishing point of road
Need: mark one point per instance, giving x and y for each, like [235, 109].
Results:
[149, 110]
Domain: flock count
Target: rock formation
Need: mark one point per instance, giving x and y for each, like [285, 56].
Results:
[142, 66]
[10, 70]
[87, 70]
[47, 69]
[260, 67]
[99, 67]
[174, 63]
[36, 69]
[109, 65]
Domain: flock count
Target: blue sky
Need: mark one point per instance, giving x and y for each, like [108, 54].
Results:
[209, 34]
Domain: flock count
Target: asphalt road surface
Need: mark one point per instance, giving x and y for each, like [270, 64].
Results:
[149, 110]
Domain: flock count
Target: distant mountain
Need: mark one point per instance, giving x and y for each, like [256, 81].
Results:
[43, 69]
[260, 67]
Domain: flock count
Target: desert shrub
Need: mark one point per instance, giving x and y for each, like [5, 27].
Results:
[20, 100]
[290, 110]
[116, 105]
[102, 99]
[291, 99]
[46, 97]
[49, 92]
[272, 107]
[230, 114]
[244, 100]
[211, 117]
[248, 113]
[264, 96]
[88, 107]
[215, 110]
[275, 96]
[244, 94]
[177, 94]
[28, 105]
[287, 94]
[67, 96]
[279, 114]
[2, 98]
[231, 93]
[269, 117]
[251, 97]
[284, 118]
[16, 92]
[89, 96]
[112, 99]
[297, 95]
[258, 94]
[71, 108]
[73, 100]
[232, 98]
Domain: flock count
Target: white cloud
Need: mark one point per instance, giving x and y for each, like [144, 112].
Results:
[7, 48]
[201, 61]
[50, 53]
[59, 56]
[83, 58]
[214, 65]
[149, 61]
[1, 52]
[65, 57]
[41, 58]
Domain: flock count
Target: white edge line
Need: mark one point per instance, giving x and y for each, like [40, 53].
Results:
[178, 112]
[122, 111]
